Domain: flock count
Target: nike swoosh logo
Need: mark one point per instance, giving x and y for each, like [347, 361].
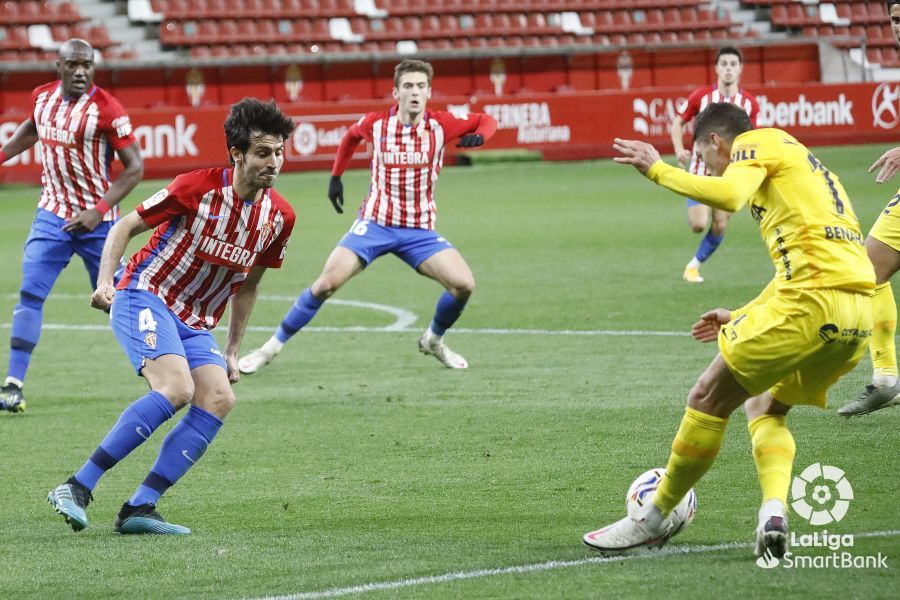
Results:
[141, 433]
[17, 311]
[185, 454]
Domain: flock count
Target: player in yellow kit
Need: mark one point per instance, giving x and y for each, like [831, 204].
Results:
[883, 247]
[786, 347]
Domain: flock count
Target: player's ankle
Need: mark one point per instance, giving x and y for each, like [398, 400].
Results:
[877, 380]
[273, 345]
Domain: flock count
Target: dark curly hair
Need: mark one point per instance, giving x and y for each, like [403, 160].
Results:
[253, 115]
[724, 118]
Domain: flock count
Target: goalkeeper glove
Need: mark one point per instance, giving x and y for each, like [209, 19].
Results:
[470, 140]
[336, 193]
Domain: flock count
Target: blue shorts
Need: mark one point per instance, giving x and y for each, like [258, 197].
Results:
[146, 328]
[691, 202]
[413, 246]
[48, 250]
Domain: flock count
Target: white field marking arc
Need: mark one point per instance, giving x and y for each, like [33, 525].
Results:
[404, 317]
[535, 567]
[404, 321]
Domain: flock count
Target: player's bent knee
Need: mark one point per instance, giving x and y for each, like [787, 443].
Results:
[218, 401]
[325, 287]
[464, 289]
[178, 394]
[697, 227]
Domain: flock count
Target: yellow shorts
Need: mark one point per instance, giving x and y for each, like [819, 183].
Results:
[798, 343]
[887, 228]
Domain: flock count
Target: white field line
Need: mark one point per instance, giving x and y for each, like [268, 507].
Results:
[404, 322]
[394, 329]
[532, 568]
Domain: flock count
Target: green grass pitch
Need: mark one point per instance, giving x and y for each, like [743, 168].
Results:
[354, 460]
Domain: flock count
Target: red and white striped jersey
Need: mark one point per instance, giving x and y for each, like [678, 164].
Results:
[703, 97]
[406, 162]
[78, 137]
[207, 239]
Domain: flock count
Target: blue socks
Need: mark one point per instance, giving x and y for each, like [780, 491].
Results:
[708, 245]
[134, 426]
[26, 331]
[183, 447]
[446, 313]
[301, 313]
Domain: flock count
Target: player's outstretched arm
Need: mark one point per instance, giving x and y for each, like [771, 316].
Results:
[24, 137]
[889, 163]
[473, 130]
[121, 233]
[707, 328]
[87, 220]
[241, 307]
[636, 153]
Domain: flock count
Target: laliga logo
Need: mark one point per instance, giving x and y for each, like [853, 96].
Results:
[821, 494]
[767, 560]
[306, 138]
[886, 106]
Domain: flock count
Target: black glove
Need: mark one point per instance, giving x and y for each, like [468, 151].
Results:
[336, 193]
[470, 140]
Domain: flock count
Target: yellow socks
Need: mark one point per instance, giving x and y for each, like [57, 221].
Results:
[693, 451]
[884, 313]
[773, 453]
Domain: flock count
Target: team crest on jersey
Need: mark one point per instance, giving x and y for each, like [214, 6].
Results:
[265, 235]
[150, 340]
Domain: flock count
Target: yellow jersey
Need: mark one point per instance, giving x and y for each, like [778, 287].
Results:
[803, 212]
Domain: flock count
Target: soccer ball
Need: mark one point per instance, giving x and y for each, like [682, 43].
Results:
[643, 489]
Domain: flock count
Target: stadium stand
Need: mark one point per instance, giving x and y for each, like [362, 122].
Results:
[31, 30]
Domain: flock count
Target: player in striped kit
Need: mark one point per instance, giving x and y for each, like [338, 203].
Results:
[729, 64]
[397, 216]
[79, 126]
[217, 230]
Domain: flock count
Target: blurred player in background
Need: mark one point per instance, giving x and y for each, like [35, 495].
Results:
[729, 64]
[217, 230]
[79, 126]
[883, 248]
[398, 214]
[786, 347]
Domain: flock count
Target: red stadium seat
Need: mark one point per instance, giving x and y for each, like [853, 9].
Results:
[229, 32]
[450, 24]
[636, 39]
[655, 18]
[859, 14]
[207, 33]
[779, 15]
[484, 23]
[874, 55]
[703, 35]
[690, 15]
[67, 12]
[668, 37]
[246, 29]
[267, 31]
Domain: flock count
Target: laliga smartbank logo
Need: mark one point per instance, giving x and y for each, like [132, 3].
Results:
[821, 495]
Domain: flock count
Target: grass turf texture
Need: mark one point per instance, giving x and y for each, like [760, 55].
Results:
[353, 459]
